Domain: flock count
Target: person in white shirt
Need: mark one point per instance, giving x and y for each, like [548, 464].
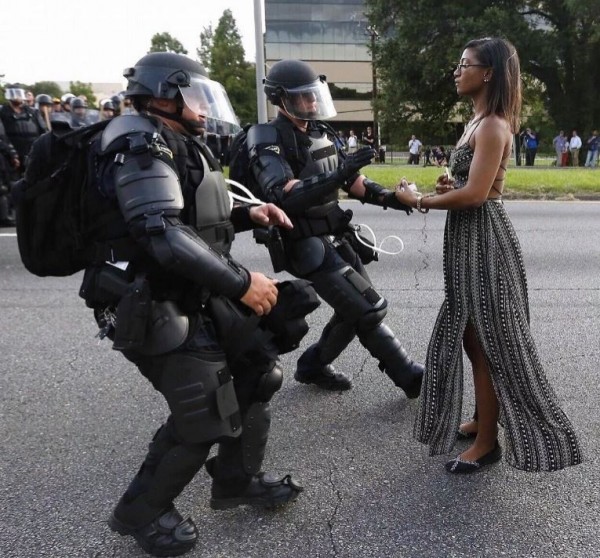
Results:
[574, 147]
[352, 142]
[414, 150]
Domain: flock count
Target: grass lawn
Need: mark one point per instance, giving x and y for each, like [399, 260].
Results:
[548, 183]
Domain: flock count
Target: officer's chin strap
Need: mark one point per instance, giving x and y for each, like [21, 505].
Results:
[376, 248]
[251, 199]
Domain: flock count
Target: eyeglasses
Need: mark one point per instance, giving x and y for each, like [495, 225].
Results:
[460, 67]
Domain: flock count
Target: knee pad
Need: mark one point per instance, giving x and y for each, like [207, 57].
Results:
[268, 384]
[371, 320]
[201, 397]
[350, 294]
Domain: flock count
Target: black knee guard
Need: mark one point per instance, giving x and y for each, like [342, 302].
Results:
[351, 295]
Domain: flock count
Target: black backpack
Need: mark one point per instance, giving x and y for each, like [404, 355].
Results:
[239, 161]
[50, 202]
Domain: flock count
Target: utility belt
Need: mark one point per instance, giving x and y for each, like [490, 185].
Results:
[319, 221]
[127, 314]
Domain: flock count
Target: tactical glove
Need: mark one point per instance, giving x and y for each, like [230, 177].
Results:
[355, 161]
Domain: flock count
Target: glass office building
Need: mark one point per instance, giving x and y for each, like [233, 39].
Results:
[332, 36]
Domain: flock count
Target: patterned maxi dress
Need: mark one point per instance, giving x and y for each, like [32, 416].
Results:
[485, 283]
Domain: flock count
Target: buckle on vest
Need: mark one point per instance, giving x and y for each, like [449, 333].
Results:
[155, 223]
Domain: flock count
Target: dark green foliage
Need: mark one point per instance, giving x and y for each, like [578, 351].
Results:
[222, 54]
[421, 41]
[164, 42]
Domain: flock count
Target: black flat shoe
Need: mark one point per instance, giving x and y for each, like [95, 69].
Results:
[458, 466]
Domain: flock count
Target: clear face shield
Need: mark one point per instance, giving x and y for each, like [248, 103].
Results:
[309, 102]
[208, 98]
[15, 94]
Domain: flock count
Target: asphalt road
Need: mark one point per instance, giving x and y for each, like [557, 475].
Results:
[75, 421]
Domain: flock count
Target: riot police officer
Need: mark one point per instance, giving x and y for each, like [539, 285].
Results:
[193, 320]
[297, 166]
[9, 159]
[22, 124]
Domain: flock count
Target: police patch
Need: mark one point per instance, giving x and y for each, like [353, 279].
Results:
[161, 148]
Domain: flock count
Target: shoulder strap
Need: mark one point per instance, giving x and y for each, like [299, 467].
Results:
[289, 142]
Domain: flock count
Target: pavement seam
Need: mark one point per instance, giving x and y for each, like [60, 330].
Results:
[422, 250]
[331, 519]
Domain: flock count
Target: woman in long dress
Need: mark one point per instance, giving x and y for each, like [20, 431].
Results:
[486, 307]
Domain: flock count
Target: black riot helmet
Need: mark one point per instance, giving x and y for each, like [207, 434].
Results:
[295, 87]
[166, 75]
[77, 103]
[43, 100]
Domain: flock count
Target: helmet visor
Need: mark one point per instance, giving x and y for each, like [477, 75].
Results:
[309, 102]
[15, 94]
[208, 98]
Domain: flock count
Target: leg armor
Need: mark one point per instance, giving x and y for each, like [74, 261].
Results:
[357, 303]
[242, 457]
[168, 467]
[235, 470]
[201, 396]
[314, 366]
[393, 359]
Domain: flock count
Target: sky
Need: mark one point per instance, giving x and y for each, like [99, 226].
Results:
[80, 40]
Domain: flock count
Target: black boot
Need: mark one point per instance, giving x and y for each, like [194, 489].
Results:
[393, 359]
[310, 370]
[167, 535]
[146, 510]
[262, 490]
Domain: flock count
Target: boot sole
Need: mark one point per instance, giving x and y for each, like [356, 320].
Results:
[329, 386]
[267, 503]
[123, 530]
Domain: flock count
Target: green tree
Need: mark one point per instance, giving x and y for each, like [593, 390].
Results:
[421, 41]
[206, 44]
[80, 88]
[222, 54]
[49, 87]
[164, 42]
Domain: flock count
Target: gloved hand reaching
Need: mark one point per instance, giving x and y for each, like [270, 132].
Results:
[356, 161]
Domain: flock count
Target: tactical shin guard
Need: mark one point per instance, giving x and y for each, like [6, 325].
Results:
[166, 471]
[393, 359]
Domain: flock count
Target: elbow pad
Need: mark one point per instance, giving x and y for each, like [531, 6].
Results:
[147, 187]
[179, 249]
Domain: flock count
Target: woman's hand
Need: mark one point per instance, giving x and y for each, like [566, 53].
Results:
[444, 184]
[405, 194]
